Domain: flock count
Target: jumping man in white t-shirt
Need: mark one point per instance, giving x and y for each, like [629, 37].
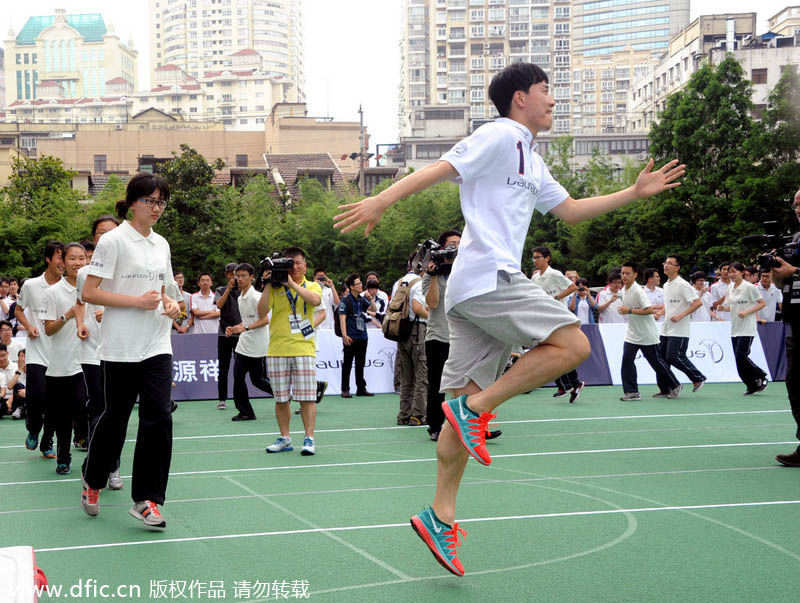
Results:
[490, 304]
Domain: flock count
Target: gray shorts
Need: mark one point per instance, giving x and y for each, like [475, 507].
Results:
[484, 329]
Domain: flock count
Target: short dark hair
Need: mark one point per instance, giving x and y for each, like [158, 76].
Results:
[677, 259]
[738, 266]
[51, 247]
[582, 282]
[141, 185]
[5, 279]
[696, 276]
[751, 269]
[446, 235]
[372, 273]
[632, 265]
[3, 347]
[545, 251]
[723, 264]
[517, 76]
[319, 269]
[6, 323]
[202, 274]
[246, 267]
[614, 275]
[351, 278]
[291, 252]
[177, 272]
[648, 273]
[104, 218]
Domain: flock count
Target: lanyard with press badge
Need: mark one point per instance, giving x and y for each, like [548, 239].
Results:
[295, 324]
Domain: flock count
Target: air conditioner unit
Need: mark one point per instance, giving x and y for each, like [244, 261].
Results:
[119, 126]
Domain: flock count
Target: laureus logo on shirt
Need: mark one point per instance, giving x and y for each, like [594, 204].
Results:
[150, 275]
[522, 183]
[460, 149]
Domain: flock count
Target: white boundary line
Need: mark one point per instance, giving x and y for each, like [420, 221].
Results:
[405, 524]
[521, 421]
[426, 460]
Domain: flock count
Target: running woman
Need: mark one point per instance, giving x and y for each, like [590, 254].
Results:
[130, 270]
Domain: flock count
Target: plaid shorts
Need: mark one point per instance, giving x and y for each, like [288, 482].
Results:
[293, 378]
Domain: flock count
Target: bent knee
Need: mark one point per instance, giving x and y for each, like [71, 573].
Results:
[572, 340]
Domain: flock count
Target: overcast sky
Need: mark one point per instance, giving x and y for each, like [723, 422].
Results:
[352, 54]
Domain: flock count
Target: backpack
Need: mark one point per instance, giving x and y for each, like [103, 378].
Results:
[396, 323]
[337, 328]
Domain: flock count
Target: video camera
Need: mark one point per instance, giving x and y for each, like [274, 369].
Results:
[430, 251]
[776, 245]
[279, 268]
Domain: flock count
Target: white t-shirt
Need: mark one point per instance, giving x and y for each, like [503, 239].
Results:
[414, 294]
[327, 305]
[718, 291]
[31, 299]
[582, 309]
[656, 297]
[553, 282]
[678, 296]
[502, 180]
[88, 346]
[642, 329]
[381, 301]
[131, 264]
[703, 313]
[611, 313]
[14, 347]
[255, 342]
[65, 345]
[772, 297]
[7, 374]
[204, 325]
[740, 298]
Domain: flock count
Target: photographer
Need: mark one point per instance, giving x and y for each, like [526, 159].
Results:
[330, 300]
[291, 358]
[582, 304]
[785, 276]
[354, 335]
[225, 299]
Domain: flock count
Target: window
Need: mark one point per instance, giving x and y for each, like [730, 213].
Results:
[99, 164]
[759, 76]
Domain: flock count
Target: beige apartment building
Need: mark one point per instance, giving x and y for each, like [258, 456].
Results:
[203, 35]
[785, 22]
[78, 54]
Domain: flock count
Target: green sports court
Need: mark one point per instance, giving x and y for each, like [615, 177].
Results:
[601, 500]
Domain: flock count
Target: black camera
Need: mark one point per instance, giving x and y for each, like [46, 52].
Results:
[430, 251]
[279, 268]
[777, 245]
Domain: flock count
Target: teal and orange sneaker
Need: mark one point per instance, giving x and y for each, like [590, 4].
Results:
[441, 539]
[470, 427]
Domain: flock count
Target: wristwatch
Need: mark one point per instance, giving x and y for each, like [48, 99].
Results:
[246, 328]
[63, 319]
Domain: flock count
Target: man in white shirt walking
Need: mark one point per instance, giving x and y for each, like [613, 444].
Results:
[491, 306]
[610, 299]
[204, 307]
[720, 289]
[772, 297]
[652, 280]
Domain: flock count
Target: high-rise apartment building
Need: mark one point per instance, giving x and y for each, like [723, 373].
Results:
[590, 50]
[77, 54]
[202, 35]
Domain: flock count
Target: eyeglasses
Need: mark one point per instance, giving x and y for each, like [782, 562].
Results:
[151, 203]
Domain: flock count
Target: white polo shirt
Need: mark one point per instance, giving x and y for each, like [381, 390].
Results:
[678, 296]
[553, 282]
[703, 313]
[611, 313]
[88, 346]
[656, 297]
[7, 374]
[65, 345]
[642, 329]
[131, 264]
[772, 297]
[719, 290]
[14, 347]
[327, 305]
[205, 325]
[255, 342]
[31, 299]
[502, 180]
[740, 298]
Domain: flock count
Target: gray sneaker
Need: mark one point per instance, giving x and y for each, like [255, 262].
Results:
[17, 414]
[147, 511]
[631, 396]
[660, 395]
[675, 393]
[282, 444]
[221, 405]
[114, 481]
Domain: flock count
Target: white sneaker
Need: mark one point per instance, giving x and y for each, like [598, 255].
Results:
[282, 444]
[675, 393]
[308, 447]
[221, 405]
[631, 396]
[147, 511]
[114, 481]
[17, 414]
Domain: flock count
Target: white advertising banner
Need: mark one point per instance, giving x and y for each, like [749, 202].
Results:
[710, 350]
[378, 369]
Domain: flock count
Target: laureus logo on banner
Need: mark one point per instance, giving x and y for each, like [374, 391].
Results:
[708, 348]
[389, 353]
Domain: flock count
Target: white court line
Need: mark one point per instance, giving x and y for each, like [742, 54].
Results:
[334, 537]
[521, 421]
[469, 482]
[426, 460]
[766, 503]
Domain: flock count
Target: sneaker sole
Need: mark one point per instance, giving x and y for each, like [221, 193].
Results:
[306, 452]
[422, 532]
[451, 418]
[289, 449]
[785, 464]
[697, 388]
[143, 519]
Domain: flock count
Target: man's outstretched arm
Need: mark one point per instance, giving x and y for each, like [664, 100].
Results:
[648, 183]
[370, 210]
